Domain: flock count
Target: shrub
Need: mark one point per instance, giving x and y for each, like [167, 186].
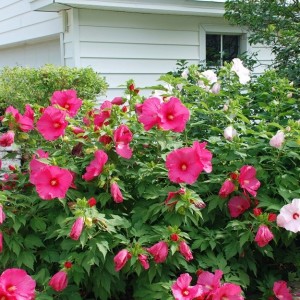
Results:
[21, 85]
[149, 198]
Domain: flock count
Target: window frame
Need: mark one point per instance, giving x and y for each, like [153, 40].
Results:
[205, 29]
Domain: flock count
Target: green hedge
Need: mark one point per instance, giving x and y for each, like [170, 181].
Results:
[21, 85]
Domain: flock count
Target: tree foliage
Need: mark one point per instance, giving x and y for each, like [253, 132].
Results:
[275, 23]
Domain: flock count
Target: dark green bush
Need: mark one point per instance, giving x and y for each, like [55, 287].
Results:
[20, 85]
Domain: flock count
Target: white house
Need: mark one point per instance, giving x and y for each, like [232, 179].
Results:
[121, 39]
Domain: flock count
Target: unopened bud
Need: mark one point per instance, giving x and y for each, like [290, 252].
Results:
[88, 222]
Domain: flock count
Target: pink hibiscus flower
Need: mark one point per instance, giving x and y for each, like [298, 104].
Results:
[52, 182]
[16, 284]
[36, 165]
[183, 165]
[204, 156]
[67, 100]
[228, 291]
[227, 188]
[159, 251]
[238, 205]
[7, 139]
[263, 236]
[210, 281]
[121, 259]
[104, 114]
[52, 123]
[182, 290]
[281, 290]
[289, 216]
[122, 138]
[248, 181]
[148, 113]
[25, 122]
[95, 167]
[173, 115]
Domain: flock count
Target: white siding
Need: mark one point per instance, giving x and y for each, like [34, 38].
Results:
[31, 55]
[137, 46]
[264, 56]
[18, 23]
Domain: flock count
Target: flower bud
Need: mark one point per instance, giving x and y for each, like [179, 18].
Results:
[159, 251]
[88, 222]
[229, 133]
[1, 242]
[116, 193]
[2, 215]
[121, 259]
[263, 236]
[257, 211]
[277, 140]
[174, 237]
[59, 281]
[216, 88]
[92, 202]
[185, 250]
[77, 228]
[143, 259]
[118, 101]
[68, 265]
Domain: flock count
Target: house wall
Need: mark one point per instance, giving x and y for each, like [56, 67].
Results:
[31, 55]
[28, 37]
[122, 45]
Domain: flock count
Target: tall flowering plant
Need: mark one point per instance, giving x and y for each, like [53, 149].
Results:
[154, 196]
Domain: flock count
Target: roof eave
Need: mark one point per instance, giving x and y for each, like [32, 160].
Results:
[188, 7]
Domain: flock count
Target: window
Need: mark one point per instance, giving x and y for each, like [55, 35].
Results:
[221, 48]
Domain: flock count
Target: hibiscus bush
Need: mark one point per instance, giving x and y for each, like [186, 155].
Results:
[24, 85]
[189, 193]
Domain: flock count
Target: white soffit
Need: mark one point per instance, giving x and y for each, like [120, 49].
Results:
[183, 7]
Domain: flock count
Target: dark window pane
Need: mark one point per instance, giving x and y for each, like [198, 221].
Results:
[213, 49]
[231, 45]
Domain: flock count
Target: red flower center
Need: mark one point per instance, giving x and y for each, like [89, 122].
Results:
[296, 216]
[183, 167]
[11, 288]
[67, 106]
[170, 117]
[54, 182]
[56, 125]
[185, 292]
[3, 298]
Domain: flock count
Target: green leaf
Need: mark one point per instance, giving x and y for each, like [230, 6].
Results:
[103, 247]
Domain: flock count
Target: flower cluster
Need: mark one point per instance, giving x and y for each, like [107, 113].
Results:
[208, 287]
[170, 115]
